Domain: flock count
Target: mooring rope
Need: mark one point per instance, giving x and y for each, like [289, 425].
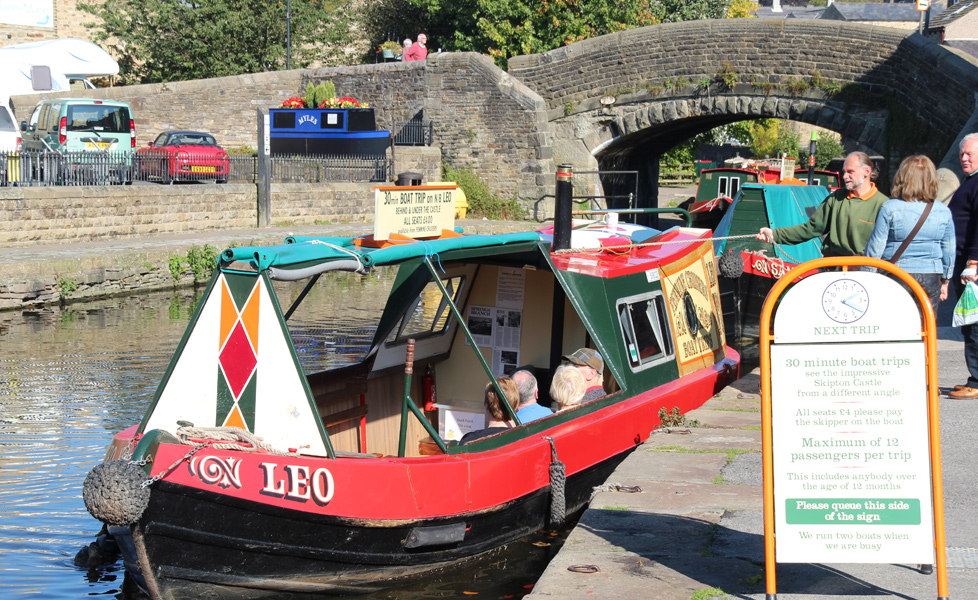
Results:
[231, 435]
[624, 248]
[355, 255]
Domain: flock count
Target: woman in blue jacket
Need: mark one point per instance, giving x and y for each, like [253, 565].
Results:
[929, 258]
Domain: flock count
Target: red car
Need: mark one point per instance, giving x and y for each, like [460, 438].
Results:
[183, 156]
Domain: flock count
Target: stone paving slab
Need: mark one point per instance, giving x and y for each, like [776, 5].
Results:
[701, 439]
[668, 495]
[669, 466]
[726, 419]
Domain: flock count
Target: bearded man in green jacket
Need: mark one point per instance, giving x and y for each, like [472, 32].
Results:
[845, 218]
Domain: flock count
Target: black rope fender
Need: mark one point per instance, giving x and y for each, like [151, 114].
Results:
[114, 492]
[558, 478]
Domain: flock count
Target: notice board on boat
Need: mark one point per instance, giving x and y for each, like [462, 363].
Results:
[417, 211]
[849, 416]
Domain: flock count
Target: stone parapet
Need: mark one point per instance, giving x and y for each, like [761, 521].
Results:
[488, 121]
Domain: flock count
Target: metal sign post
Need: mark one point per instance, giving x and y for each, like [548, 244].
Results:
[852, 459]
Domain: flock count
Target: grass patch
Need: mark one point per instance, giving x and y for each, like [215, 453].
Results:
[708, 593]
[752, 428]
[751, 410]
[719, 480]
[200, 261]
[483, 202]
[615, 508]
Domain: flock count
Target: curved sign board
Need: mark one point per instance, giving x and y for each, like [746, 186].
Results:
[849, 416]
[846, 307]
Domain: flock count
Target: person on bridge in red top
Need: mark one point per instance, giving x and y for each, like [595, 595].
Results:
[847, 216]
[418, 50]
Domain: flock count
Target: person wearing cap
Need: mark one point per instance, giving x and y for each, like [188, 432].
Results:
[589, 362]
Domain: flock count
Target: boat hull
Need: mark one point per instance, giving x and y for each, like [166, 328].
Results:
[198, 533]
[198, 540]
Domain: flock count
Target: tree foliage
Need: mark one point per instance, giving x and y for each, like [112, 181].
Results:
[171, 40]
[506, 28]
[742, 9]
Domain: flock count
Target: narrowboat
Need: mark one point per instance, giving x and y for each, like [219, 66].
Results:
[759, 264]
[718, 187]
[250, 476]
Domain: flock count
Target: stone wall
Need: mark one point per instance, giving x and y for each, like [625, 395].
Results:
[931, 82]
[44, 215]
[227, 106]
[395, 89]
[488, 121]
[69, 21]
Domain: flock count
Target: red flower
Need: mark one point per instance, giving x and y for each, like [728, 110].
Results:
[294, 102]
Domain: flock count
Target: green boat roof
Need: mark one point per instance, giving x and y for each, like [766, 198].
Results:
[301, 253]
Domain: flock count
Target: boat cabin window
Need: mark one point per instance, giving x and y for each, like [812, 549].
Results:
[722, 186]
[734, 186]
[429, 314]
[645, 328]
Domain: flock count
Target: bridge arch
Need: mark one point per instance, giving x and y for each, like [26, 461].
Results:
[674, 80]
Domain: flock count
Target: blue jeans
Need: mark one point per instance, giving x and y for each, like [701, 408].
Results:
[970, 332]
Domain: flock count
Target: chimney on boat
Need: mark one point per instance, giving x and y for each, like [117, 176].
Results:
[563, 206]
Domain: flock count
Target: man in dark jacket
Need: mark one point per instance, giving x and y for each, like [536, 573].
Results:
[964, 211]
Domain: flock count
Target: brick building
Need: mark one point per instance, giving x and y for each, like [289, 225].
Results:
[40, 20]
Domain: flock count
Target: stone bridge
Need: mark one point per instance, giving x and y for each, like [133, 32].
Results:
[893, 94]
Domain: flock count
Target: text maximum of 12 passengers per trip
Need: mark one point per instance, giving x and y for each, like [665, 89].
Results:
[838, 374]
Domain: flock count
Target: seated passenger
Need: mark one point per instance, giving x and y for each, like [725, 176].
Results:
[589, 362]
[529, 410]
[568, 387]
[497, 416]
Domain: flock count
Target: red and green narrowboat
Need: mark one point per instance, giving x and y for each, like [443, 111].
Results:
[255, 477]
[718, 187]
[760, 264]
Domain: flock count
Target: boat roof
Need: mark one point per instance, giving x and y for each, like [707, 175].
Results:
[597, 250]
[784, 206]
[300, 256]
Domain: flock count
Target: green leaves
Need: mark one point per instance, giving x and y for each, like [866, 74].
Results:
[171, 40]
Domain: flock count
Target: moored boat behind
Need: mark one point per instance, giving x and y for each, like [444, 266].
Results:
[249, 473]
[760, 263]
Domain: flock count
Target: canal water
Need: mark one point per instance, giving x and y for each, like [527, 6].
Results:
[71, 378]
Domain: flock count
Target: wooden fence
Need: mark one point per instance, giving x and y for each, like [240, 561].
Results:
[677, 174]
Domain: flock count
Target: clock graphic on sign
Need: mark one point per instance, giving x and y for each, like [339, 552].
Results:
[845, 301]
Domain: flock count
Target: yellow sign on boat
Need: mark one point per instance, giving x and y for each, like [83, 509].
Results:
[414, 211]
[693, 296]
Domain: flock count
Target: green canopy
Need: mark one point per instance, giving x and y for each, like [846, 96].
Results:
[301, 253]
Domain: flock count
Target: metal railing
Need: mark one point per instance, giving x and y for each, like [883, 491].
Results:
[415, 132]
[316, 169]
[117, 168]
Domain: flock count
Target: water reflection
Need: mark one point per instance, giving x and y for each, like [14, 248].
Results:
[70, 379]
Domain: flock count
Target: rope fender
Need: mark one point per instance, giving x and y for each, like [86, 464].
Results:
[114, 492]
[558, 478]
